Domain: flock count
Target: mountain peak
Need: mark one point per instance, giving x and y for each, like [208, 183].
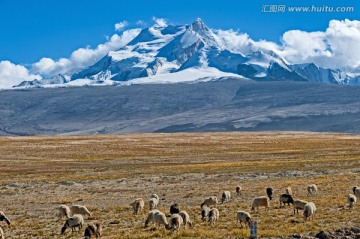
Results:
[199, 26]
[204, 32]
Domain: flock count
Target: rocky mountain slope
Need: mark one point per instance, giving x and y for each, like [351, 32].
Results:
[221, 105]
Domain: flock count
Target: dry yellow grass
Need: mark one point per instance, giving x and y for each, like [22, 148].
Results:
[107, 172]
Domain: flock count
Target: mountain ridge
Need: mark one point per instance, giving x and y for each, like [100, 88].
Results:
[169, 49]
[226, 104]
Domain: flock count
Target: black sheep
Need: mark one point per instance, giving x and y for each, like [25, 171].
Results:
[269, 192]
[174, 209]
[286, 198]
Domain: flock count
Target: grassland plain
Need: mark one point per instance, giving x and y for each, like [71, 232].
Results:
[107, 172]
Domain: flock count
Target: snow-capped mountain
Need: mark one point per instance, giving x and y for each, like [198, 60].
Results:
[196, 52]
[314, 73]
[55, 80]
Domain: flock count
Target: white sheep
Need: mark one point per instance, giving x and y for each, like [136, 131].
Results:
[351, 200]
[261, 201]
[175, 222]
[299, 204]
[76, 220]
[309, 211]
[79, 209]
[226, 196]
[155, 196]
[242, 216]
[157, 217]
[238, 190]
[356, 191]
[64, 211]
[213, 215]
[204, 213]
[93, 230]
[3, 217]
[311, 188]
[138, 205]
[150, 217]
[288, 191]
[186, 218]
[210, 201]
[153, 203]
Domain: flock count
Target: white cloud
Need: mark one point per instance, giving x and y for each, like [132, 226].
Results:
[12, 74]
[234, 41]
[161, 22]
[121, 25]
[83, 57]
[141, 23]
[242, 43]
[301, 46]
[343, 38]
[338, 47]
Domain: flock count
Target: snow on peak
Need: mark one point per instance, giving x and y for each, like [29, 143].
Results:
[208, 37]
[199, 26]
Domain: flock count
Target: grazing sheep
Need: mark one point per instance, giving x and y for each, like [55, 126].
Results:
[288, 191]
[261, 201]
[175, 222]
[4, 217]
[213, 215]
[286, 198]
[311, 188]
[153, 203]
[309, 211]
[210, 201]
[299, 204]
[226, 196]
[138, 205]
[93, 230]
[238, 190]
[356, 191]
[242, 216]
[156, 217]
[155, 196]
[204, 213]
[186, 218]
[79, 209]
[270, 192]
[76, 220]
[150, 217]
[64, 211]
[351, 200]
[174, 209]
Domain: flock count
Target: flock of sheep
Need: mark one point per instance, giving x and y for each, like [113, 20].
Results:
[180, 218]
[210, 213]
[75, 219]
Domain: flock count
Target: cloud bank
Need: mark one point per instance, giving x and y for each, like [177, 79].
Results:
[338, 47]
[11, 74]
[83, 57]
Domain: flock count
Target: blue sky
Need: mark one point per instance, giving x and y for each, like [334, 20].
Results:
[31, 30]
